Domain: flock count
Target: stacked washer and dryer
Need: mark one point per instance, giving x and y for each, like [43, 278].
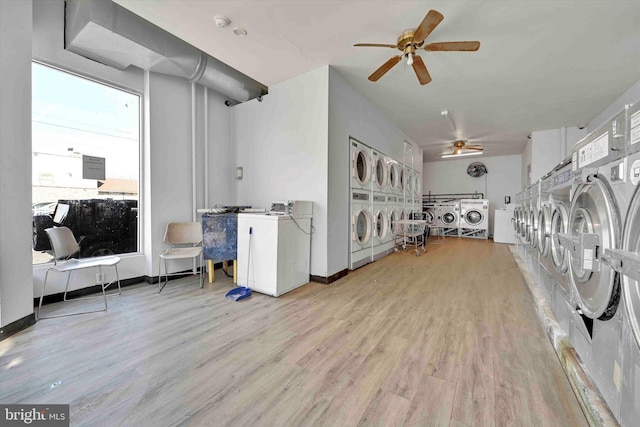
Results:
[379, 185]
[584, 244]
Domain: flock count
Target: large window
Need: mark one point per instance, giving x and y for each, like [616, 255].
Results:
[86, 163]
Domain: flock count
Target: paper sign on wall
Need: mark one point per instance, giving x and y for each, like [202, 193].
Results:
[635, 128]
[93, 167]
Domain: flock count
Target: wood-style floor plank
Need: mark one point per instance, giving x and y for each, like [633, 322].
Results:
[449, 338]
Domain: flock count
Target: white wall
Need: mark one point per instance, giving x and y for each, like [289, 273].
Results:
[502, 179]
[281, 143]
[16, 293]
[547, 150]
[351, 114]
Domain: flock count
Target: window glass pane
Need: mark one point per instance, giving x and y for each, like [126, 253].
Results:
[86, 145]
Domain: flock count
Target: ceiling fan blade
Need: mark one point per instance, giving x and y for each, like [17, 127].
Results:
[375, 45]
[468, 46]
[384, 68]
[428, 24]
[421, 70]
[474, 148]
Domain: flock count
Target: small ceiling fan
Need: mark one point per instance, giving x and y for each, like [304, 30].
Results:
[460, 147]
[412, 40]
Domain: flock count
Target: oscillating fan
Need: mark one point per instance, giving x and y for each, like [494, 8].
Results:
[476, 169]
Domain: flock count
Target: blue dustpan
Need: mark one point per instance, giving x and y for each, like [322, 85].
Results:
[239, 293]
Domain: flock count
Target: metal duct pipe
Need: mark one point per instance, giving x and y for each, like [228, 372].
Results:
[112, 35]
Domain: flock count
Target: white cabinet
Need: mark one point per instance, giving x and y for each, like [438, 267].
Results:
[503, 231]
[276, 255]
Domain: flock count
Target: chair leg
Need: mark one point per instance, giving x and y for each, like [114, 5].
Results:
[201, 270]
[166, 275]
[66, 287]
[44, 285]
[104, 293]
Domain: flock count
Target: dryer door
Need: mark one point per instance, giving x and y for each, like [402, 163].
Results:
[381, 226]
[527, 224]
[393, 175]
[473, 217]
[361, 166]
[596, 285]
[544, 230]
[380, 173]
[559, 224]
[631, 287]
[533, 227]
[393, 217]
[448, 218]
[362, 227]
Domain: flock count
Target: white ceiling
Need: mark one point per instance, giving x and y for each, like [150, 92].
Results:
[541, 65]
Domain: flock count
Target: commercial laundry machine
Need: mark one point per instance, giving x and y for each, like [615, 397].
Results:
[598, 206]
[360, 165]
[361, 229]
[543, 237]
[394, 177]
[448, 216]
[390, 205]
[379, 172]
[381, 227]
[562, 303]
[474, 218]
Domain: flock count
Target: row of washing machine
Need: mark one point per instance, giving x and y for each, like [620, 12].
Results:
[462, 218]
[578, 230]
[383, 190]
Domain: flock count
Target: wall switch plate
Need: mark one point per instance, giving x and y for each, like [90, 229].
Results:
[239, 172]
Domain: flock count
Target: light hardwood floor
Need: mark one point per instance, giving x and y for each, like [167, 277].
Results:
[447, 338]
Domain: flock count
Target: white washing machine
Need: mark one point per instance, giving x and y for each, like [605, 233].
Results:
[598, 206]
[394, 177]
[379, 172]
[360, 165]
[449, 217]
[474, 218]
[381, 228]
[274, 252]
[361, 229]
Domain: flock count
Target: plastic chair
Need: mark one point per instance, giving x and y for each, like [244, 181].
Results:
[64, 246]
[185, 241]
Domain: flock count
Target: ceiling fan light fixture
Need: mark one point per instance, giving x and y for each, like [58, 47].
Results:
[471, 153]
[410, 56]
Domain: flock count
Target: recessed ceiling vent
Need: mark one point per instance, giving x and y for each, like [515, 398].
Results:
[112, 35]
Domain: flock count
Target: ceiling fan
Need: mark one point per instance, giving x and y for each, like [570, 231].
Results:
[460, 148]
[412, 40]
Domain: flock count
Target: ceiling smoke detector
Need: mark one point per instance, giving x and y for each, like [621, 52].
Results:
[221, 21]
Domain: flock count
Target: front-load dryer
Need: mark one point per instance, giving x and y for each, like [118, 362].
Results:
[543, 237]
[381, 228]
[474, 218]
[390, 204]
[393, 179]
[379, 172]
[360, 165]
[560, 206]
[361, 229]
[598, 204]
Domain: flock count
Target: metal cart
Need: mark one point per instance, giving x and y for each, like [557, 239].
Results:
[410, 233]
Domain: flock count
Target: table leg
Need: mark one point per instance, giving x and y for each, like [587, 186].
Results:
[235, 271]
[210, 268]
